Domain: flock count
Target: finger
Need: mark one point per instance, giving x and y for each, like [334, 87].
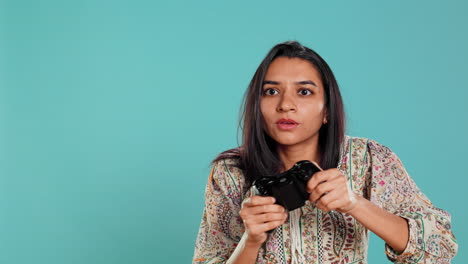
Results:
[337, 182]
[323, 176]
[264, 218]
[254, 222]
[248, 212]
[258, 200]
[334, 200]
[320, 190]
[266, 208]
[327, 205]
[270, 225]
[325, 187]
[342, 201]
[329, 198]
[334, 205]
[318, 178]
[336, 174]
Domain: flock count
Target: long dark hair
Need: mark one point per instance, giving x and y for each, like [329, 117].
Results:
[257, 155]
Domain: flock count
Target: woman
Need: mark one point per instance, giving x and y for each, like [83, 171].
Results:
[293, 111]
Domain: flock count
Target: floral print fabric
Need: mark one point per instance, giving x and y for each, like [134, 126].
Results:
[373, 171]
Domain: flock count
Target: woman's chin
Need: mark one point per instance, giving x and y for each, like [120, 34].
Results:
[287, 142]
[293, 141]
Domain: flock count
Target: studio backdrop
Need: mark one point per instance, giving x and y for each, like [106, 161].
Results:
[111, 111]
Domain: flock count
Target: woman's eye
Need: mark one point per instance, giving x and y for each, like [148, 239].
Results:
[269, 91]
[305, 92]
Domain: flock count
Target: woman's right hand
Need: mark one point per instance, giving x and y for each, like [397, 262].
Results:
[260, 214]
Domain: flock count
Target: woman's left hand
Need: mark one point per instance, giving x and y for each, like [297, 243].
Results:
[330, 190]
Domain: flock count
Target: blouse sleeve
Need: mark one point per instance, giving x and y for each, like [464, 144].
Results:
[221, 227]
[430, 236]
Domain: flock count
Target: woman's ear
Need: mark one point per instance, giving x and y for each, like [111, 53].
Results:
[325, 114]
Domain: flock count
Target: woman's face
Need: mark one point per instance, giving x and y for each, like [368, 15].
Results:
[292, 89]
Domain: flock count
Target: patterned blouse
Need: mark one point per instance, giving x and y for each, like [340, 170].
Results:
[373, 171]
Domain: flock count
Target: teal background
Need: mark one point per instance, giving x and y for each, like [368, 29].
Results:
[110, 111]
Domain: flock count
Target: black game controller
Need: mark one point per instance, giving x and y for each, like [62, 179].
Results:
[289, 187]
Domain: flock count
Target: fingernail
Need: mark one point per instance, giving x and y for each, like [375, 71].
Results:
[273, 199]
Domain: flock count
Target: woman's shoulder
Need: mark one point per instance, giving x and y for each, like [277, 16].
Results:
[371, 150]
[226, 171]
[368, 144]
[228, 161]
[231, 156]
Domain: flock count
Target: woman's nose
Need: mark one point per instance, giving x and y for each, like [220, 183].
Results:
[286, 104]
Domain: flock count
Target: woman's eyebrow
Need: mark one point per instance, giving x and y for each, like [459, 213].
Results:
[307, 82]
[269, 82]
[300, 83]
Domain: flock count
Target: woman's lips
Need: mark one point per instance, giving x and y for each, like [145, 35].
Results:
[286, 126]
